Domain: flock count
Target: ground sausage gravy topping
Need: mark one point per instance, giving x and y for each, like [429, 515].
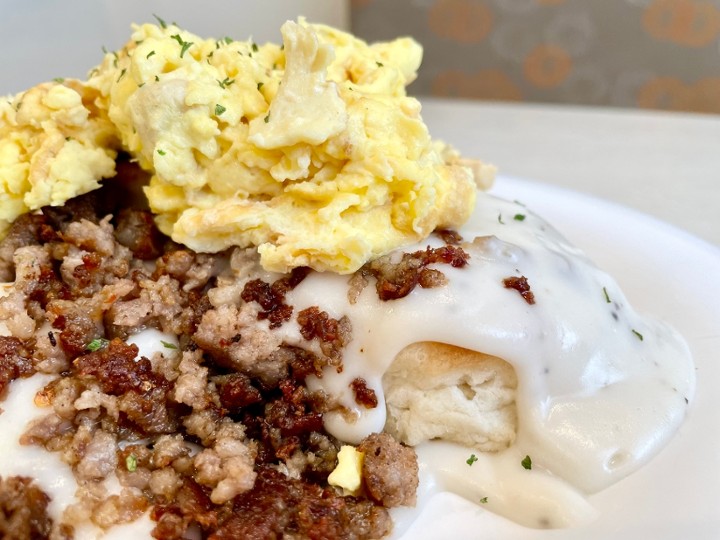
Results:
[600, 389]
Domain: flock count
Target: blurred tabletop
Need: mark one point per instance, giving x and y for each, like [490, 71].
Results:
[663, 164]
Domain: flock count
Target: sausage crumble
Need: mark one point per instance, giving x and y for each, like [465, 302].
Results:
[217, 435]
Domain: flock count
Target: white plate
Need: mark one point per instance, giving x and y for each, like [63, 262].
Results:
[670, 275]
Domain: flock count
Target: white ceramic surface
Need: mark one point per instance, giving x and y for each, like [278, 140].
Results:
[670, 275]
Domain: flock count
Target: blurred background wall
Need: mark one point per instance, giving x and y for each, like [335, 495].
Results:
[657, 54]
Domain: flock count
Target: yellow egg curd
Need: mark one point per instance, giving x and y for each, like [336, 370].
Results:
[310, 150]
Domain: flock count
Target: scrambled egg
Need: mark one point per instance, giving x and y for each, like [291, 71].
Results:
[54, 144]
[348, 472]
[310, 150]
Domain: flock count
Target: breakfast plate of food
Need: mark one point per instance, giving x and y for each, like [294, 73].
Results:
[246, 295]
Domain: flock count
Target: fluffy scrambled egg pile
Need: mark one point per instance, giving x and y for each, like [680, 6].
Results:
[55, 143]
[310, 150]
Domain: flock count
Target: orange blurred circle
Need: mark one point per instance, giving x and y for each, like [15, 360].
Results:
[490, 84]
[464, 21]
[686, 22]
[547, 66]
[668, 93]
[704, 96]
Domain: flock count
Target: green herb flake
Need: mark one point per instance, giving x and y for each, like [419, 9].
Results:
[607, 296]
[104, 49]
[161, 151]
[97, 344]
[141, 85]
[157, 79]
[500, 219]
[219, 109]
[638, 334]
[260, 85]
[267, 118]
[122, 74]
[472, 459]
[131, 463]
[484, 500]
[380, 64]
[228, 40]
[184, 45]
[225, 82]
[519, 217]
[254, 47]
[151, 53]
[162, 23]
[168, 345]
[526, 463]
[59, 80]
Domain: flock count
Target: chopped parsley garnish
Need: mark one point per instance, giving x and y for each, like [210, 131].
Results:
[157, 79]
[161, 151]
[526, 463]
[168, 345]
[131, 463]
[519, 217]
[379, 64]
[607, 296]
[254, 47]
[219, 109]
[59, 80]
[472, 459]
[184, 45]
[260, 85]
[500, 220]
[162, 23]
[267, 118]
[228, 40]
[225, 82]
[122, 74]
[97, 344]
[104, 49]
[151, 53]
[638, 334]
[483, 500]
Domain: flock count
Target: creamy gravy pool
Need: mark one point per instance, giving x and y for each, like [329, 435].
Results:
[600, 388]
